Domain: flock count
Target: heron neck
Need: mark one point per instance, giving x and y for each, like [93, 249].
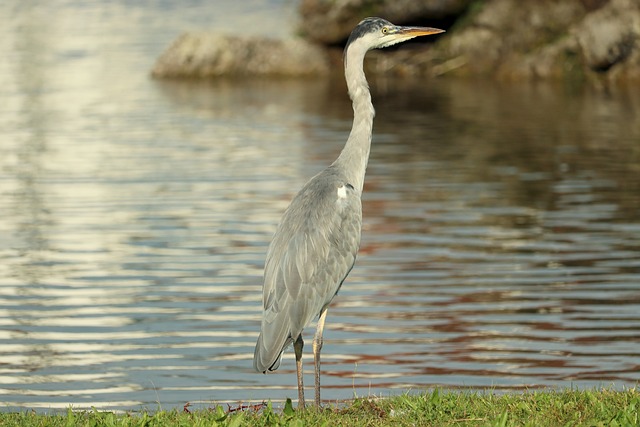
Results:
[355, 154]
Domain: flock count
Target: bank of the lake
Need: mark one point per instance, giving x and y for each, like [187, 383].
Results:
[442, 408]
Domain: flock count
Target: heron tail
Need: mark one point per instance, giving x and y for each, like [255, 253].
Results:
[268, 358]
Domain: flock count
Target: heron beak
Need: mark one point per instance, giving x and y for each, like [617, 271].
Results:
[418, 31]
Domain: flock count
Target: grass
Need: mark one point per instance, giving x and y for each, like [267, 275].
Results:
[437, 408]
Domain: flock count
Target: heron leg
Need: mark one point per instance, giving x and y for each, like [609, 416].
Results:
[317, 346]
[297, 347]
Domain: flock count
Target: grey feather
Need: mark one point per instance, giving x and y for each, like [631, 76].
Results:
[311, 254]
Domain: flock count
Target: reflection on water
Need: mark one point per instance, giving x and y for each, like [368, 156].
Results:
[501, 242]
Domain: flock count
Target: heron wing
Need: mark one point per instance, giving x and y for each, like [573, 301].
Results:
[312, 252]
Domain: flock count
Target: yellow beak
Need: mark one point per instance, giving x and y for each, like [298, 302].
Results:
[418, 31]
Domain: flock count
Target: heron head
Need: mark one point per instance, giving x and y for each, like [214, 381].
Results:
[374, 33]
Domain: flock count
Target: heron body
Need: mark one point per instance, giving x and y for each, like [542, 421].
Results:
[315, 245]
[297, 290]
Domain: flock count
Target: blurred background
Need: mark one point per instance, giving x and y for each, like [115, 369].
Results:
[501, 236]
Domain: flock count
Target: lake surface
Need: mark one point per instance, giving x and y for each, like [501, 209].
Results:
[501, 240]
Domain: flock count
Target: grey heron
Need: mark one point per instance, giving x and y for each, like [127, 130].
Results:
[315, 245]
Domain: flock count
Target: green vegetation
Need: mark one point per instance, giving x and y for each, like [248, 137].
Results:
[466, 19]
[437, 408]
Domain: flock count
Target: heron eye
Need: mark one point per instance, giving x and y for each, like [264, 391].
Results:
[385, 30]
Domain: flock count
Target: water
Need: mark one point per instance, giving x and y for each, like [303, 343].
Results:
[501, 241]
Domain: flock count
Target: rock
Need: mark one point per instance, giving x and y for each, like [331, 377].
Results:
[503, 32]
[207, 55]
[610, 35]
[331, 21]
[587, 40]
[548, 39]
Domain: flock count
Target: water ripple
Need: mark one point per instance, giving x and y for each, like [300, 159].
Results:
[501, 242]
